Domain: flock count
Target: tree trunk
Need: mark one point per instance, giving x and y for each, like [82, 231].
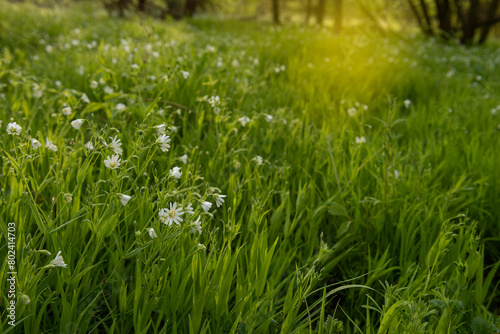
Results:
[337, 14]
[320, 12]
[493, 7]
[470, 23]
[191, 7]
[141, 5]
[276, 11]
[309, 9]
[427, 18]
[444, 18]
[417, 16]
[121, 7]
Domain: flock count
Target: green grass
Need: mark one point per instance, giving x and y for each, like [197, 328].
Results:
[398, 234]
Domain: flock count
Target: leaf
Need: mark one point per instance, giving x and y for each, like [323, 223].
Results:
[335, 209]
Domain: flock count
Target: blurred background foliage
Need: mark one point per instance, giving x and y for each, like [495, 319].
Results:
[467, 21]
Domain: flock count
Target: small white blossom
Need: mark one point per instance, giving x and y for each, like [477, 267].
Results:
[35, 143]
[176, 172]
[184, 159]
[352, 112]
[189, 209]
[93, 84]
[206, 206]
[115, 145]
[85, 98]
[14, 129]
[244, 120]
[77, 123]
[121, 107]
[219, 199]
[124, 199]
[214, 101]
[160, 129]
[196, 227]
[50, 145]
[37, 93]
[185, 74]
[164, 142]
[58, 261]
[112, 162]
[66, 111]
[259, 160]
[407, 103]
[152, 233]
[360, 140]
[89, 146]
[269, 118]
[172, 215]
[108, 90]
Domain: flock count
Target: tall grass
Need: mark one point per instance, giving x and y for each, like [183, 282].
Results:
[362, 189]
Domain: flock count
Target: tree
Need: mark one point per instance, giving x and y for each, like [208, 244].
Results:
[309, 10]
[141, 6]
[470, 21]
[337, 16]
[276, 11]
[320, 12]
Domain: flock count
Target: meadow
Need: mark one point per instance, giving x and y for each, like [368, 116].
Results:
[210, 176]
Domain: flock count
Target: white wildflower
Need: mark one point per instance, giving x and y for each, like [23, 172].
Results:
[164, 142]
[152, 233]
[244, 120]
[360, 140]
[85, 98]
[120, 107]
[115, 145]
[219, 199]
[124, 199]
[66, 111]
[50, 145]
[58, 261]
[108, 90]
[112, 162]
[77, 123]
[36, 144]
[13, 129]
[189, 209]
[206, 206]
[160, 129]
[352, 112]
[196, 227]
[176, 172]
[172, 215]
